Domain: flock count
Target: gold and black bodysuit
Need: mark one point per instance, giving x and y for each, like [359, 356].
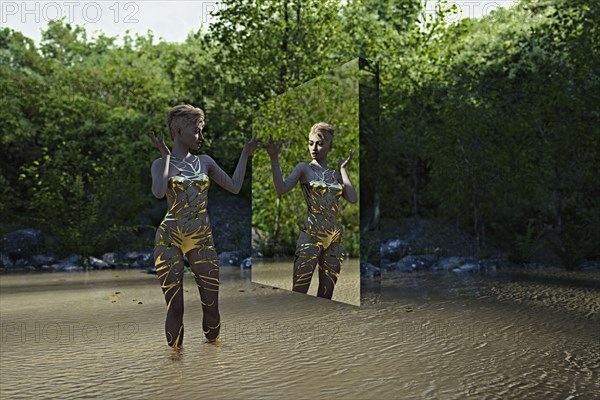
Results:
[186, 231]
[322, 243]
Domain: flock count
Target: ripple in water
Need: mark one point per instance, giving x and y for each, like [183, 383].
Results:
[430, 336]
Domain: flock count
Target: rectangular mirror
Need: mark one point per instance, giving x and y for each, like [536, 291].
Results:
[346, 98]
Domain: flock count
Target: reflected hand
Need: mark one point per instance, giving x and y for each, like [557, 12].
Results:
[344, 163]
[159, 143]
[272, 148]
[251, 145]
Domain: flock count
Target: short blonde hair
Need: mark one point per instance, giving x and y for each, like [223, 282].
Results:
[324, 131]
[182, 115]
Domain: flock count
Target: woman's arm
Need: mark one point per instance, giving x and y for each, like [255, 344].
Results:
[348, 193]
[233, 184]
[284, 186]
[160, 176]
[281, 186]
[160, 167]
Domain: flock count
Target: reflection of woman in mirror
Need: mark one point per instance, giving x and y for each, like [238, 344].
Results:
[185, 229]
[320, 239]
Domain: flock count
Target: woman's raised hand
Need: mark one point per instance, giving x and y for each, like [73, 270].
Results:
[159, 143]
[251, 145]
[344, 163]
[272, 148]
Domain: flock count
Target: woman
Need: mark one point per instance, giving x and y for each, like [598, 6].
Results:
[185, 230]
[320, 239]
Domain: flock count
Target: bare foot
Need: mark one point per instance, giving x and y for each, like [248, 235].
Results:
[217, 342]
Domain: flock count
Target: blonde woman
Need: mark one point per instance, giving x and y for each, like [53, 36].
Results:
[185, 230]
[319, 242]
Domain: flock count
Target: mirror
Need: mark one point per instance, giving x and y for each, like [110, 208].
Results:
[309, 239]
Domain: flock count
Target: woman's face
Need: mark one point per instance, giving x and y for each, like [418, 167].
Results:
[317, 147]
[192, 136]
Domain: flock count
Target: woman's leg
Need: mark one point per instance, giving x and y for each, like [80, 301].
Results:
[169, 268]
[307, 254]
[205, 267]
[330, 264]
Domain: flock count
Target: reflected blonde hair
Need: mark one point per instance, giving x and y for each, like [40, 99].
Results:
[181, 116]
[324, 131]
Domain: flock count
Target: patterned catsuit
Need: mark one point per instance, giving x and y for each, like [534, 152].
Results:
[321, 224]
[185, 230]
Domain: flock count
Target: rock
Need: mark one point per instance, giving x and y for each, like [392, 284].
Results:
[402, 267]
[132, 255]
[143, 260]
[21, 263]
[97, 263]
[5, 261]
[394, 249]
[368, 270]
[428, 236]
[41, 259]
[449, 263]
[468, 267]
[22, 243]
[73, 259]
[111, 258]
[229, 258]
[246, 263]
[70, 263]
[413, 263]
[151, 270]
[590, 266]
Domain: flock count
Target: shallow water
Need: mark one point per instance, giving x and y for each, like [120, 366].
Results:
[278, 273]
[430, 336]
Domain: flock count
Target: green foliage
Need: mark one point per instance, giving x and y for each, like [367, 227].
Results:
[485, 113]
[487, 123]
[73, 138]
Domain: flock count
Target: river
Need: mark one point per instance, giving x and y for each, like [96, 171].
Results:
[506, 335]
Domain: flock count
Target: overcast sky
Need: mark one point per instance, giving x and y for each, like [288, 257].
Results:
[171, 20]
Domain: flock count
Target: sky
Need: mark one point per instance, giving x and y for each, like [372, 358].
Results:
[171, 20]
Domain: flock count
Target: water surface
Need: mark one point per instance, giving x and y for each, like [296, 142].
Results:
[430, 336]
[278, 273]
